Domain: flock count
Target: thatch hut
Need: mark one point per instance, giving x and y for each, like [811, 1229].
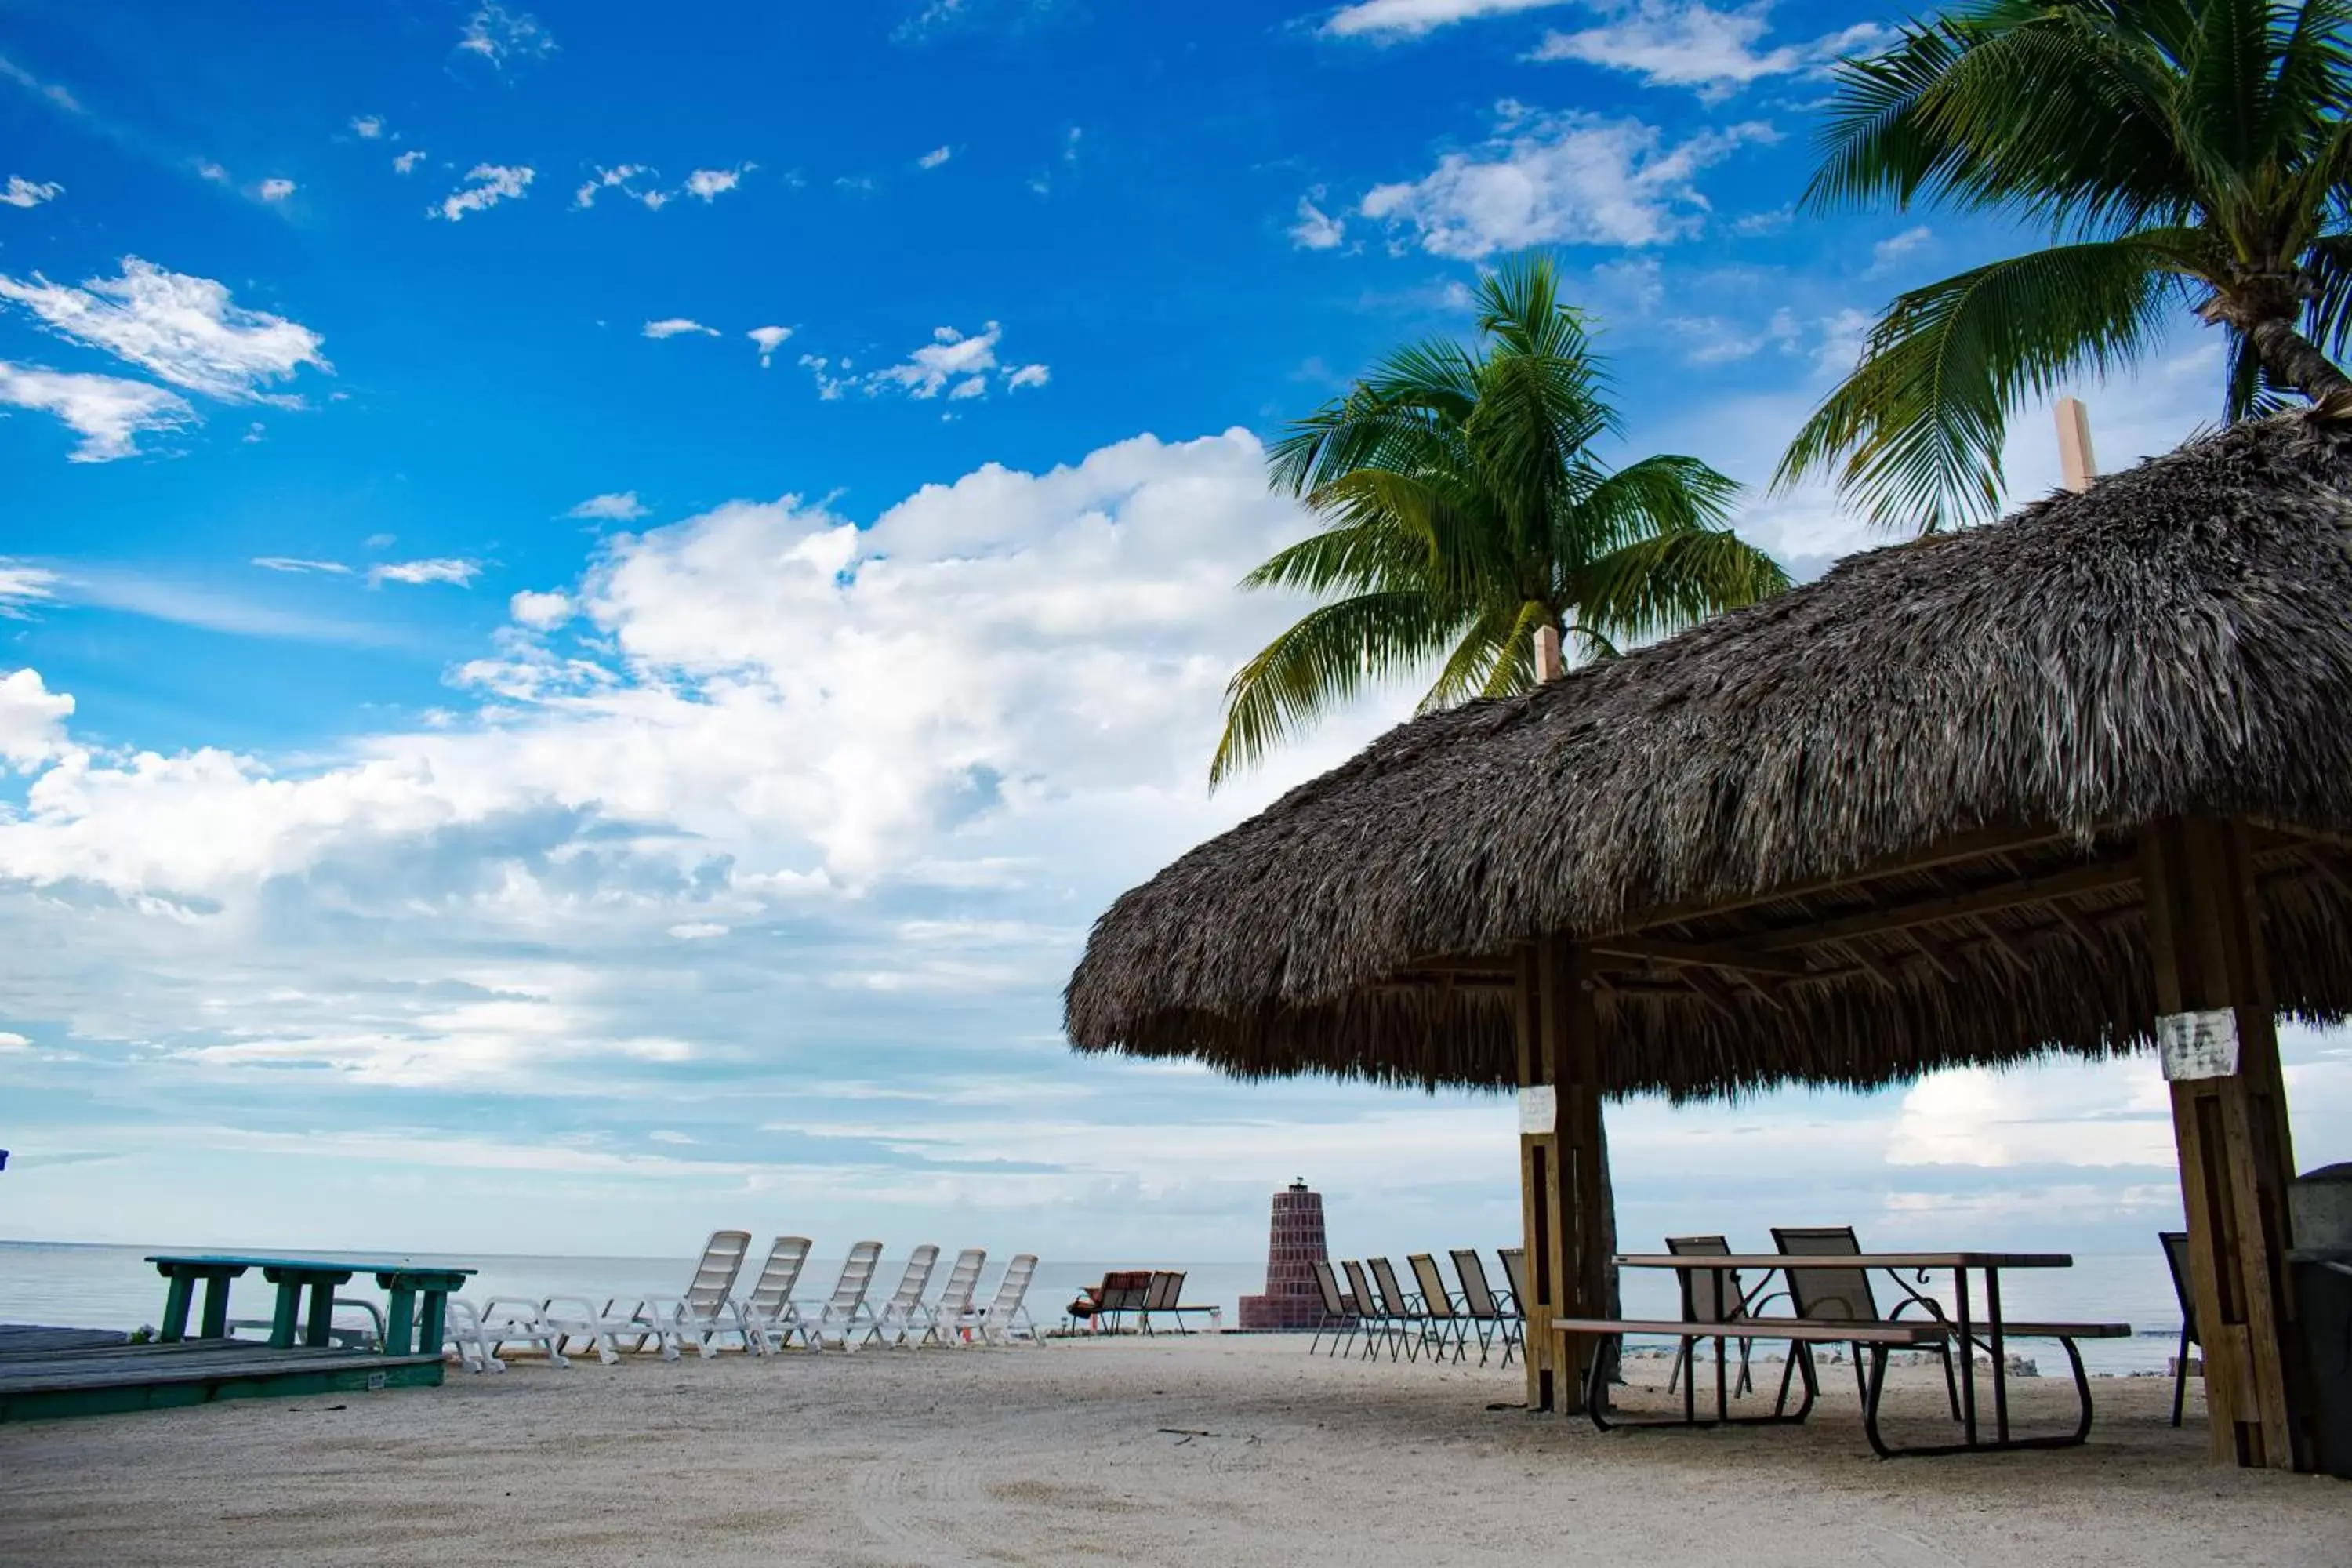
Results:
[2021, 790]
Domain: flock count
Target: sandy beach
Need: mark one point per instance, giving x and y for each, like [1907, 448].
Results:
[1205, 1450]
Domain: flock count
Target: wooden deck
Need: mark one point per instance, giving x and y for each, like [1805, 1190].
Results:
[49, 1374]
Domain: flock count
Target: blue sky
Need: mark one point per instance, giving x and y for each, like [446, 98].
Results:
[591, 602]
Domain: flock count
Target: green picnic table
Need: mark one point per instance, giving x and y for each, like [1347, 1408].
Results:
[419, 1297]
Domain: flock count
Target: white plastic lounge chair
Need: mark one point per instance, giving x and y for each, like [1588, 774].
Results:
[942, 1319]
[770, 1310]
[707, 1310]
[846, 1308]
[347, 1336]
[1006, 1315]
[896, 1320]
[479, 1335]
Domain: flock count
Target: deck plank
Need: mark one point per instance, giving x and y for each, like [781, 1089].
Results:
[101, 1380]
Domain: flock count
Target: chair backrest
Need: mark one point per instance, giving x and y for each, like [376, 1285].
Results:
[916, 1279]
[1434, 1298]
[1367, 1304]
[714, 1277]
[1335, 1301]
[1515, 1269]
[1124, 1290]
[2176, 1258]
[857, 1275]
[1166, 1289]
[1013, 1287]
[1476, 1294]
[1709, 1295]
[1840, 1295]
[955, 1296]
[779, 1275]
[1391, 1298]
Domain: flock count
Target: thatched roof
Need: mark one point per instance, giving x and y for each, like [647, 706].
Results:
[2007, 703]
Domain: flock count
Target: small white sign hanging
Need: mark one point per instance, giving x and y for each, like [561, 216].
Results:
[1539, 1110]
[2198, 1045]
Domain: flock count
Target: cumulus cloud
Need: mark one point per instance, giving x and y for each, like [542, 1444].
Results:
[539, 612]
[712, 184]
[500, 36]
[109, 412]
[769, 339]
[486, 185]
[1315, 229]
[367, 127]
[1888, 251]
[24, 193]
[441, 569]
[1671, 44]
[617, 506]
[276, 190]
[958, 363]
[185, 330]
[1410, 18]
[1026, 376]
[32, 719]
[673, 326]
[934, 158]
[406, 163]
[1573, 178]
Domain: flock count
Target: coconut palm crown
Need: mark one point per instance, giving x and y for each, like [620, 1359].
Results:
[2179, 153]
[1465, 510]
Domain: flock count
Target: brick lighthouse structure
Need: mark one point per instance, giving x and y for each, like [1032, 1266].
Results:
[1294, 1247]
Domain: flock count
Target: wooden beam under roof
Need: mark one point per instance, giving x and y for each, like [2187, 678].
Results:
[2048, 888]
[1706, 955]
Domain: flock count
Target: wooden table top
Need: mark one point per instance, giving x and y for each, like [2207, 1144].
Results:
[1703, 1261]
[300, 1265]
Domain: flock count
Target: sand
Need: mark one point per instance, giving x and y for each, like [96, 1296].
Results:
[1178, 1453]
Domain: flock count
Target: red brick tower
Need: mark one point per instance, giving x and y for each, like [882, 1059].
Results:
[1292, 1300]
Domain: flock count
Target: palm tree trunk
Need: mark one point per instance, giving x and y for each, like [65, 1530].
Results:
[2294, 360]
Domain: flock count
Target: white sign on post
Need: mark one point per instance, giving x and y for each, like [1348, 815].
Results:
[1539, 1110]
[2198, 1045]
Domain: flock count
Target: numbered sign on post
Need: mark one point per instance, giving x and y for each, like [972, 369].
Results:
[2198, 1045]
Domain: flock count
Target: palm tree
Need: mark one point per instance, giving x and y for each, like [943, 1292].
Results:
[2178, 153]
[1465, 509]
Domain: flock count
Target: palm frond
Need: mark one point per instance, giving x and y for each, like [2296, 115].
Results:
[1671, 580]
[1320, 663]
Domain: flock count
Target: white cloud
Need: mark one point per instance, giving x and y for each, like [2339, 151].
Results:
[1410, 18]
[106, 412]
[32, 719]
[367, 127]
[407, 162]
[1026, 376]
[712, 184]
[934, 158]
[24, 193]
[297, 564]
[539, 612]
[1886, 252]
[697, 931]
[486, 185]
[497, 35]
[276, 190]
[21, 585]
[185, 330]
[1683, 43]
[629, 178]
[1315, 229]
[769, 340]
[672, 326]
[1573, 178]
[616, 506]
[442, 569]
[1714, 340]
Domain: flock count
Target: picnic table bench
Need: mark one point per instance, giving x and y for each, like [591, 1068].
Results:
[418, 1296]
[1876, 1338]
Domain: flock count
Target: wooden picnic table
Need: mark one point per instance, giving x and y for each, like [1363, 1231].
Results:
[418, 1298]
[1966, 1325]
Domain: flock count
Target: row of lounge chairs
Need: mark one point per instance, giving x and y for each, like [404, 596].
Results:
[765, 1319]
[1374, 1308]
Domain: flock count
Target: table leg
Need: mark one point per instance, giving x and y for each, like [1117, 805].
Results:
[322, 1312]
[431, 1331]
[1722, 1403]
[1999, 1356]
[400, 1322]
[281, 1319]
[215, 1323]
[179, 1294]
[1967, 1357]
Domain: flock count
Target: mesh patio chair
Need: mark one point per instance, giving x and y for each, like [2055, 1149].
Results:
[2176, 1258]
[1448, 1319]
[1487, 1312]
[1402, 1307]
[1843, 1296]
[1710, 1296]
[1372, 1312]
[1338, 1310]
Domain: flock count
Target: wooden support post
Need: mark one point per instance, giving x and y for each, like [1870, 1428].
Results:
[1563, 1167]
[2205, 937]
[1539, 1184]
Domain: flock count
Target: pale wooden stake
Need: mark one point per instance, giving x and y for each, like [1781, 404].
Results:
[2075, 459]
[1549, 665]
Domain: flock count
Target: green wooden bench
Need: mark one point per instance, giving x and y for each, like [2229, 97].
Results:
[418, 1298]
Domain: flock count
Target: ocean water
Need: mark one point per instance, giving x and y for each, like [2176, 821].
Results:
[115, 1287]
